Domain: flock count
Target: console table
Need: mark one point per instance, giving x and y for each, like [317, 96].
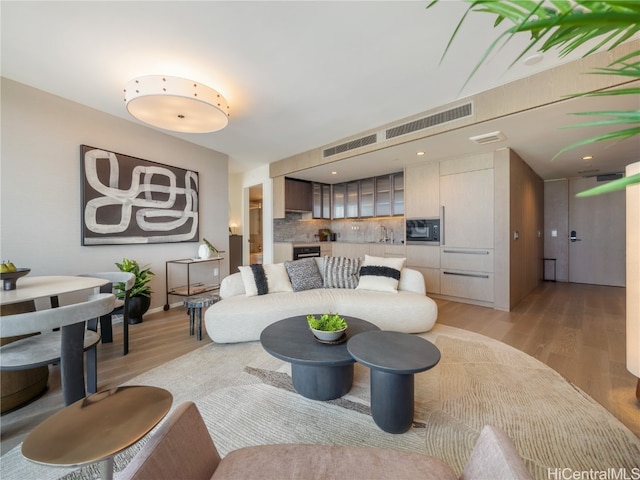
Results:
[192, 286]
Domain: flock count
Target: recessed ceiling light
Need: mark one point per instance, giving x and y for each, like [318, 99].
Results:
[587, 157]
[420, 153]
[334, 173]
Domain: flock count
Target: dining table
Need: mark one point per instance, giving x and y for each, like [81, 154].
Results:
[22, 386]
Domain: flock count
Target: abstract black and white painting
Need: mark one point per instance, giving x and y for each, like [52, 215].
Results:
[129, 200]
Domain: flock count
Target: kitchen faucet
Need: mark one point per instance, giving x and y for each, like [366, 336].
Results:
[384, 238]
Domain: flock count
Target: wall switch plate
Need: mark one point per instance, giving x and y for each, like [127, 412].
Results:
[554, 233]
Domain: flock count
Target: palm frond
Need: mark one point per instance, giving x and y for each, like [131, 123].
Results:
[565, 26]
[612, 186]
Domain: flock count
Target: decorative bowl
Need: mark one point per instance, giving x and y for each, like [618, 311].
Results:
[9, 279]
[328, 336]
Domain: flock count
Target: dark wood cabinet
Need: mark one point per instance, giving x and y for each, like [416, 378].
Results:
[235, 253]
[298, 195]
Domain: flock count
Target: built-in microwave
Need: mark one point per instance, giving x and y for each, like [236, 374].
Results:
[422, 231]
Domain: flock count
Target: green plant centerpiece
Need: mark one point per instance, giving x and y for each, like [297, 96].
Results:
[140, 296]
[328, 328]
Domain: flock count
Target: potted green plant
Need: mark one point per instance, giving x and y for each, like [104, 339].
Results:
[140, 296]
[329, 327]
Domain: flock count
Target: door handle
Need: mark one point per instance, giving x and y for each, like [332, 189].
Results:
[574, 237]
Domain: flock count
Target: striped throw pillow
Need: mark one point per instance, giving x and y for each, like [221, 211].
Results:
[341, 272]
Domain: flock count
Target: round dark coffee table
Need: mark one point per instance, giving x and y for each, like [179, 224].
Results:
[393, 358]
[318, 371]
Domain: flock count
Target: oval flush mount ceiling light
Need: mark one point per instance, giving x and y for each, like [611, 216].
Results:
[176, 104]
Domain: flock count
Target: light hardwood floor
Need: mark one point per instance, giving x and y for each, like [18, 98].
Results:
[579, 330]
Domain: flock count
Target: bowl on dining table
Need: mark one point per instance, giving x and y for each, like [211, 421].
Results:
[9, 279]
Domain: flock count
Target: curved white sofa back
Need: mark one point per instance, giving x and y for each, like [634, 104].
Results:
[410, 281]
[239, 318]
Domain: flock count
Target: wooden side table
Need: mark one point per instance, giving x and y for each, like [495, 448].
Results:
[97, 427]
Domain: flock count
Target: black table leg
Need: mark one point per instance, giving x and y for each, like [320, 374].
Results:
[322, 383]
[392, 400]
[72, 363]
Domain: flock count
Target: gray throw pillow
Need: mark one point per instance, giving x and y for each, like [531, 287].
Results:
[341, 272]
[304, 274]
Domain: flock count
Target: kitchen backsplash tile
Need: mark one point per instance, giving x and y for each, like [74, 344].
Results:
[293, 228]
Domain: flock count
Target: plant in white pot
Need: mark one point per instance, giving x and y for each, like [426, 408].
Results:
[206, 249]
[140, 296]
[329, 327]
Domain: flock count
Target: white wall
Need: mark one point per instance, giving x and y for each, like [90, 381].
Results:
[40, 180]
[258, 176]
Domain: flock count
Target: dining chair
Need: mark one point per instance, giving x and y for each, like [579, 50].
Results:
[65, 345]
[117, 281]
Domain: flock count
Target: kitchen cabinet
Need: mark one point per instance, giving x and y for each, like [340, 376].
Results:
[467, 285]
[467, 228]
[397, 189]
[389, 195]
[426, 259]
[467, 273]
[338, 200]
[321, 200]
[326, 248]
[383, 196]
[366, 205]
[467, 209]
[422, 191]
[282, 252]
[387, 250]
[352, 197]
[350, 250]
[298, 195]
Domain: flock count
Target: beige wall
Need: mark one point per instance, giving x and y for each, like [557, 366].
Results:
[519, 223]
[527, 226]
[40, 181]
[556, 217]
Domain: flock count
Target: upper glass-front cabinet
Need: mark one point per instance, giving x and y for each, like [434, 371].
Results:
[381, 196]
[389, 196]
[397, 194]
[339, 200]
[353, 192]
[321, 200]
[366, 197]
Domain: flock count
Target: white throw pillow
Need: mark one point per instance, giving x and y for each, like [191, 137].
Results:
[262, 279]
[380, 273]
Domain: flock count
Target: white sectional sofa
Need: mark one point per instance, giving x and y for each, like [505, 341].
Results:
[239, 317]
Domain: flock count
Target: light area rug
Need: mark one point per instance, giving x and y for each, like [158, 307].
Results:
[246, 398]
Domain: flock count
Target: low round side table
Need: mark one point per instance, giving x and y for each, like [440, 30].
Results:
[96, 428]
[195, 305]
[393, 358]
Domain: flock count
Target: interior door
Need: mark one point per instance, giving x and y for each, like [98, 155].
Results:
[597, 235]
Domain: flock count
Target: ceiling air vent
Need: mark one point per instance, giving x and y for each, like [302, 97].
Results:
[488, 138]
[431, 121]
[360, 142]
[607, 177]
